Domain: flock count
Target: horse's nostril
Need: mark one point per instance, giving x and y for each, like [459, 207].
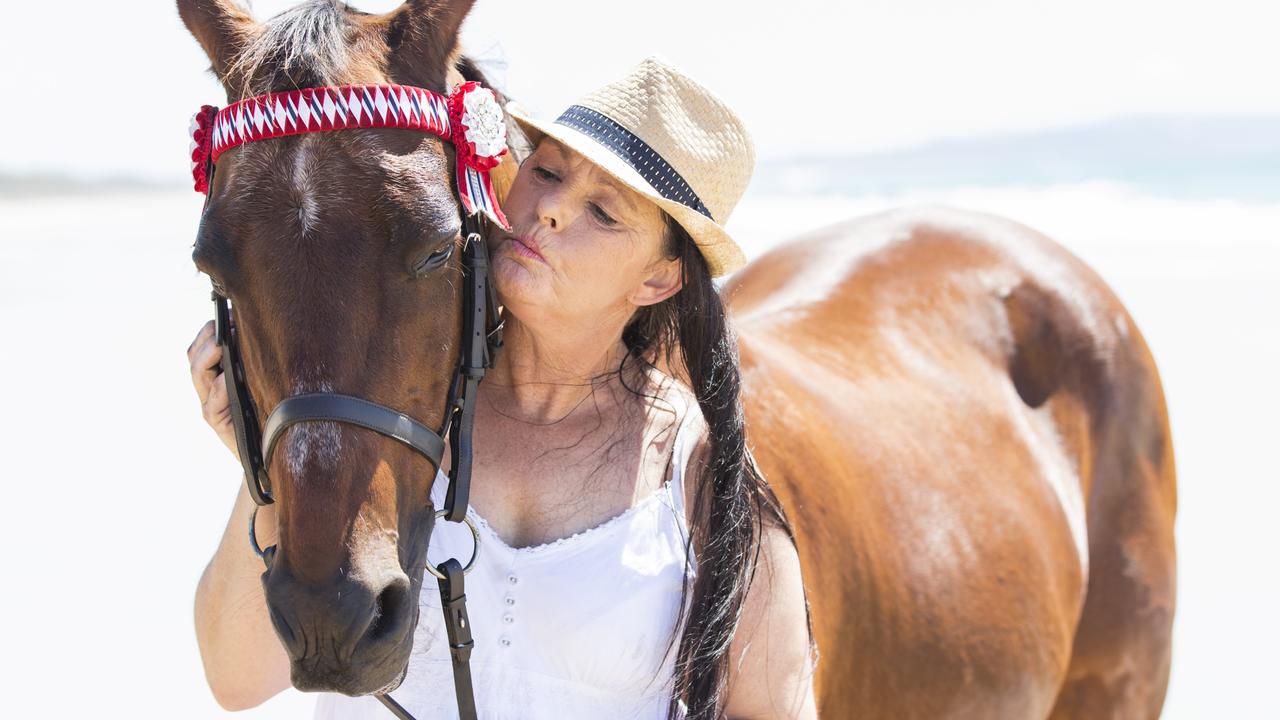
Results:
[390, 611]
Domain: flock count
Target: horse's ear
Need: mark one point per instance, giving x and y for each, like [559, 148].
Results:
[222, 28]
[421, 38]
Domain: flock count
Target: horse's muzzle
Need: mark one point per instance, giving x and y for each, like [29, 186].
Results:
[351, 636]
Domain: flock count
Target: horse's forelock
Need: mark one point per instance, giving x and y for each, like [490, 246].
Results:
[306, 45]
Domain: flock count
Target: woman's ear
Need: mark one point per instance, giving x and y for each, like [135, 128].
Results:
[663, 281]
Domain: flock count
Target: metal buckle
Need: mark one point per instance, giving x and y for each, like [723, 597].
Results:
[475, 536]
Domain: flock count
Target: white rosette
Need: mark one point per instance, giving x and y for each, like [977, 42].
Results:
[483, 119]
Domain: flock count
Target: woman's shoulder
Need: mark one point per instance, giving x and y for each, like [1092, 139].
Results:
[671, 410]
[677, 398]
[690, 453]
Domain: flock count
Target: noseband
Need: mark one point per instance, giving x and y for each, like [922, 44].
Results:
[472, 120]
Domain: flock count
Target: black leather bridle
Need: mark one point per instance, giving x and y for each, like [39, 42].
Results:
[481, 339]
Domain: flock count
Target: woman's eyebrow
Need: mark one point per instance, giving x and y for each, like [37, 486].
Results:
[623, 195]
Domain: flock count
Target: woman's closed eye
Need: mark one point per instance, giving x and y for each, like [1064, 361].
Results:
[604, 217]
[546, 175]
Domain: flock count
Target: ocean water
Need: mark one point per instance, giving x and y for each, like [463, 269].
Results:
[120, 492]
[1176, 157]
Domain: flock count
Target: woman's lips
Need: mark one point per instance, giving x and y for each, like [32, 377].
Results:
[527, 247]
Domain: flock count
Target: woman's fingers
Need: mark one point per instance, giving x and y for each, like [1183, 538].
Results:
[215, 406]
[206, 367]
[205, 356]
[206, 331]
[217, 413]
[217, 410]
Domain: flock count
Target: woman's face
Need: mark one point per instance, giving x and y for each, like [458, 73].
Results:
[582, 246]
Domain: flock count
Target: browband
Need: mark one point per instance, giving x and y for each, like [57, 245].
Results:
[469, 117]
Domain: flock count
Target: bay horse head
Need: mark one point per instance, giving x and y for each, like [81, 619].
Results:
[337, 250]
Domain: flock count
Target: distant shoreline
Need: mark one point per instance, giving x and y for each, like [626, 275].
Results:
[41, 185]
[1175, 157]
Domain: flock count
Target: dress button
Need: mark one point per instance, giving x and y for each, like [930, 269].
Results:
[509, 600]
[504, 641]
[513, 579]
[508, 618]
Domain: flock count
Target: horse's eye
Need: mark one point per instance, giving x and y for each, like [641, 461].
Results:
[434, 260]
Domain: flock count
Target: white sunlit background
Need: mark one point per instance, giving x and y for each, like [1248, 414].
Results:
[1142, 135]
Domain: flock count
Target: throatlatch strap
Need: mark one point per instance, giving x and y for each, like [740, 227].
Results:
[474, 360]
[476, 357]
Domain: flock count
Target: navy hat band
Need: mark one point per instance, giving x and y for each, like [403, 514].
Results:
[635, 152]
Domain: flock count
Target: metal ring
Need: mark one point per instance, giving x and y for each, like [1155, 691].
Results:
[253, 535]
[475, 536]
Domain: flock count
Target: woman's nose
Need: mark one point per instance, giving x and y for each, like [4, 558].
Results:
[548, 214]
[553, 208]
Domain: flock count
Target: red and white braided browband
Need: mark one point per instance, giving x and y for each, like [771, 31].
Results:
[469, 117]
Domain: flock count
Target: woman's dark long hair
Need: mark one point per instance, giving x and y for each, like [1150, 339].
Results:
[732, 504]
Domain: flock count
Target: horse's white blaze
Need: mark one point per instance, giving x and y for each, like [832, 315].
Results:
[312, 445]
[308, 206]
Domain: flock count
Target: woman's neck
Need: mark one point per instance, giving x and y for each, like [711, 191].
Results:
[544, 376]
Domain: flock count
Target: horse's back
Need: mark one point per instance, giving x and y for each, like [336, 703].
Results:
[928, 391]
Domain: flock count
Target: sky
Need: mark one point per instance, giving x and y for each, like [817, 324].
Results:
[819, 78]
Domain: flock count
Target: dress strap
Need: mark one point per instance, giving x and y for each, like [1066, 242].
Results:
[681, 450]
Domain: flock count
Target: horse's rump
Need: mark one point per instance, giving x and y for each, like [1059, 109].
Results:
[937, 396]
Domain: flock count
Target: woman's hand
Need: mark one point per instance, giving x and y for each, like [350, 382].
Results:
[205, 356]
[244, 661]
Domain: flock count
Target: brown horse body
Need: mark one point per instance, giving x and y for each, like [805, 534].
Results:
[970, 436]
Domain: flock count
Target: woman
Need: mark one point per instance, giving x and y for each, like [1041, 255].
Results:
[617, 230]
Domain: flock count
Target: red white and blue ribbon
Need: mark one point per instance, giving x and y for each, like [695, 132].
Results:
[469, 117]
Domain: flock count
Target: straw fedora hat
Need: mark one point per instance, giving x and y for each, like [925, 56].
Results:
[669, 139]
